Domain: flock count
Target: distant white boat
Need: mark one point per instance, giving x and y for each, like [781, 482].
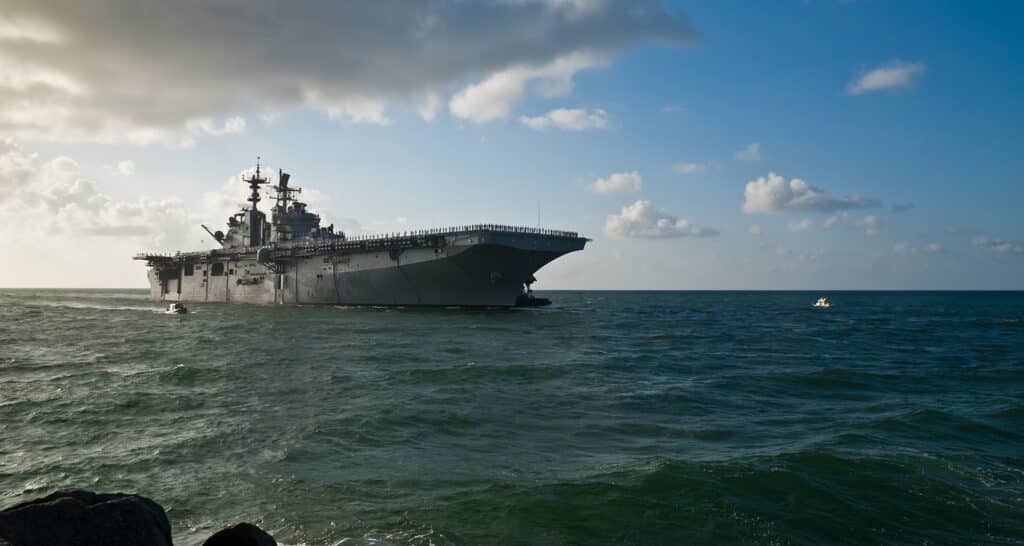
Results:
[822, 302]
[176, 309]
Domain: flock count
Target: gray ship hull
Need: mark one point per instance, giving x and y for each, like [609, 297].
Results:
[471, 267]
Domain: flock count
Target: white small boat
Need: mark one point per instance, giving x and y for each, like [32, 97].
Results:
[822, 302]
[176, 309]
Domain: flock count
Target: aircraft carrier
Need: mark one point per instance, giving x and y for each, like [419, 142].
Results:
[292, 260]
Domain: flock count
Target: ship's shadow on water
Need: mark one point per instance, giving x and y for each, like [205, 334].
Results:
[607, 417]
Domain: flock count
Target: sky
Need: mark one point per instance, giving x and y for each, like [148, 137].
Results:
[815, 144]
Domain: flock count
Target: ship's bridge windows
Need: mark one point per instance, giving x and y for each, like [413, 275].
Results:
[217, 269]
[189, 270]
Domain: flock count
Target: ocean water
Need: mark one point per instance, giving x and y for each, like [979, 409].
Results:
[608, 418]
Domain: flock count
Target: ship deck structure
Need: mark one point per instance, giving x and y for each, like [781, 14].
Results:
[291, 259]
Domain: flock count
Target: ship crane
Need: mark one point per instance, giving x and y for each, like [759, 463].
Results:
[217, 236]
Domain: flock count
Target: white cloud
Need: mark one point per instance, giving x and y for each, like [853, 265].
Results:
[751, 153]
[490, 99]
[690, 168]
[999, 246]
[642, 220]
[231, 126]
[56, 199]
[618, 182]
[831, 221]
[901, 207]
[801, 226]
[894, 75]
[63, 166]
[869, 225]
[357, 110]
[63, 212]
[180, 67]
[756, 230]
[493, 97]
[672, 109]
[933, 248]
[575, 119]
[401, 220]
[429, 107]
[126, 167]
[773, 194]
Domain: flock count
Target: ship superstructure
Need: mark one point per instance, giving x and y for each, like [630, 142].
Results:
[291, 259]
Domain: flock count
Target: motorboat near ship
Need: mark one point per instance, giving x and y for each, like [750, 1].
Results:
[822, 302]
[291, 259]
[176, 309]
[527, 299]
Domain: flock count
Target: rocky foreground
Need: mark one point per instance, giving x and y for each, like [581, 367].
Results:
[83, 518]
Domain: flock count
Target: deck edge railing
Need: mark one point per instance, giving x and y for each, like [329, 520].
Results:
[391, 236]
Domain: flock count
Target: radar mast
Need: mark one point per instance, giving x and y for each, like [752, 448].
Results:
[255, 216]
[255, 181]
[284, 192]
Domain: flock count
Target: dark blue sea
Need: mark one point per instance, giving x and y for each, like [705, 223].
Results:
[608, 418]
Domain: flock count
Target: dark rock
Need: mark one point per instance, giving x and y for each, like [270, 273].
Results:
[243, 534]
[82, 518]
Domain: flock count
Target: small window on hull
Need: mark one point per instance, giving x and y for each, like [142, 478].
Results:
[189, 270]
[217, 270]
